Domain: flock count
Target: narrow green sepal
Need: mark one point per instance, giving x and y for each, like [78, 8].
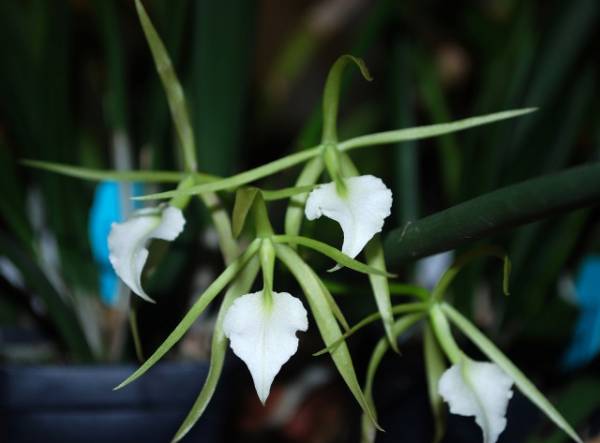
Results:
[244, 199]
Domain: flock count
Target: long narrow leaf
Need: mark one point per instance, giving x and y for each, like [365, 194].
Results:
[420, 132]
[332, 253]
[107, 174]
[522, 382]
[240, 286]
[325, 320]
[173, 89]
[295, 211]
[198, 307]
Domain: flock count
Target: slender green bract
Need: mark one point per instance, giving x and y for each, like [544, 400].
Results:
[522, 382]
[325, 320]
[240, 286]
[243, 178]
[398, 309]
[421, 132]
[244, 199]
[331, 252]
[380, 138]
[107, 174]
[198, 307]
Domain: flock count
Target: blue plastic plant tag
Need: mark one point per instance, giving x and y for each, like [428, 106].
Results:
[585, 343]
[106, 209]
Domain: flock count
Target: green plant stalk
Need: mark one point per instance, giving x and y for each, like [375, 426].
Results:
[505, 208]
[379, 138]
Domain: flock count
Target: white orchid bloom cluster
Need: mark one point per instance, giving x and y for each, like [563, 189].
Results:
[261, 329]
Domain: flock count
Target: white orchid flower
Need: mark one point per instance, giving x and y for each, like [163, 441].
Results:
[127, 242]
[360, 212]
[263, 334]
[478, 389]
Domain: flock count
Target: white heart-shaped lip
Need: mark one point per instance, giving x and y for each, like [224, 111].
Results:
[478, 389]
[263, 334]
[360, 213]
[127, 242]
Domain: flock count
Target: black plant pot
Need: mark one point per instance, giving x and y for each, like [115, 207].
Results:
[65, 404]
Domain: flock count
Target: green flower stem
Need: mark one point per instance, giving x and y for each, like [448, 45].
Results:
[441, 328]
[267, 263]
[505, 208]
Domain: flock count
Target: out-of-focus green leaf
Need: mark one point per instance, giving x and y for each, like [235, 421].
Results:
[522, 382]
[326, 322]
[240, 286]
[283, 193]
[197, 308]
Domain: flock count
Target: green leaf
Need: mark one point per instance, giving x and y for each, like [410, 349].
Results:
[398, 328]
[242, 178]
[420, 132]
[325, 320]
[197, 308]
[493, 212]
[330, 252]
[281, 194]
[434, 368]
[222, 224]
[240, 286]
[379, 284]
[173, 89]
[522, 382]
[295, 211]
[104, 174]
[398, 309]
[337, 312]
[331, 94]
[244, 198]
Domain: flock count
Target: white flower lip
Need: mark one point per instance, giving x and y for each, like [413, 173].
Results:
[478, 389]
[360, 213]
[264, 337]
[127, 242]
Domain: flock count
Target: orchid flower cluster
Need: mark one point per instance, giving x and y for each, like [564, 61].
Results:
[260, 327]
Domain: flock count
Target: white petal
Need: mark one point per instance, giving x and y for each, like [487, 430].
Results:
[481, 390]
[264, 337]
[127, 242]
[360, 213]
